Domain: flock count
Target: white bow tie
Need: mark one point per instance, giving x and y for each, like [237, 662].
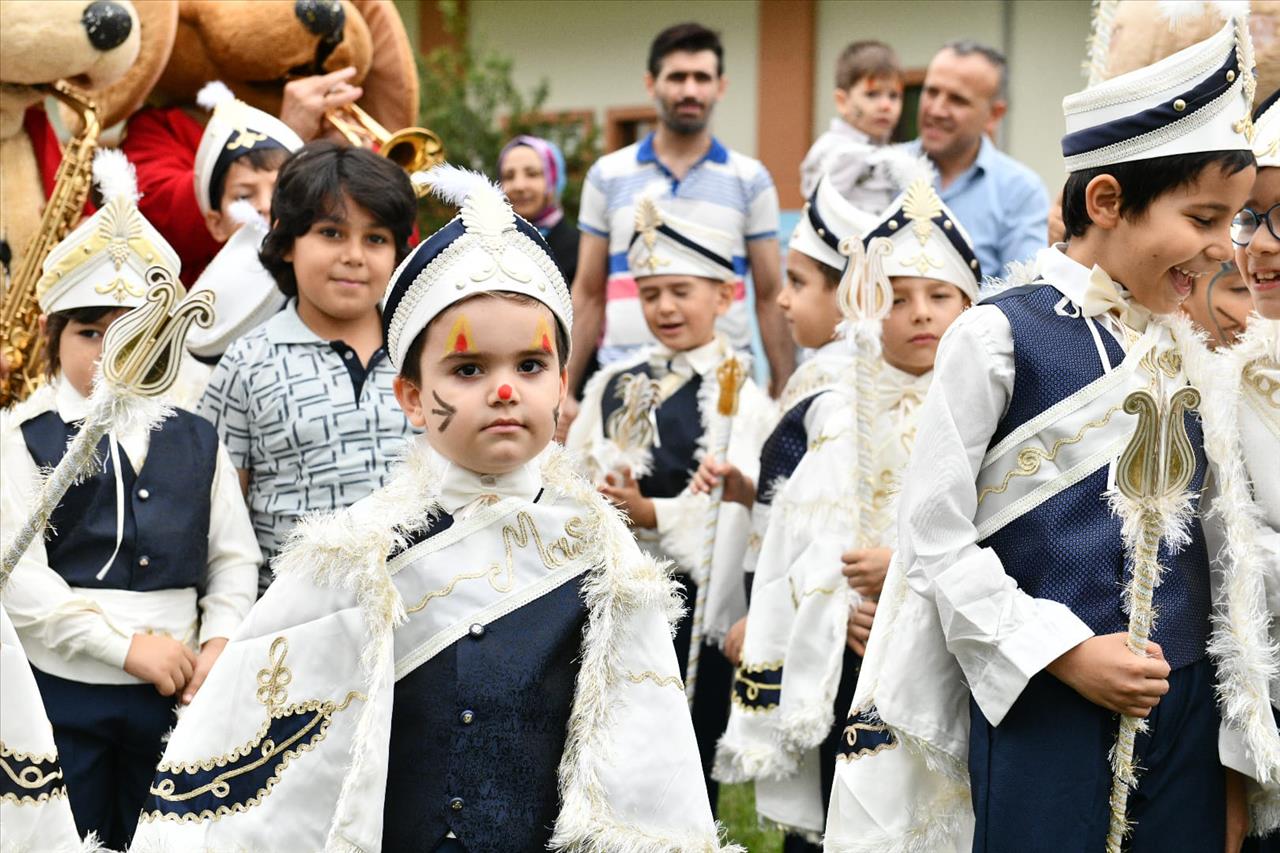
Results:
[462, 487]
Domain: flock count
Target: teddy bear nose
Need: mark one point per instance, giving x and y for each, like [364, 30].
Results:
[108, 24]
[321, 17]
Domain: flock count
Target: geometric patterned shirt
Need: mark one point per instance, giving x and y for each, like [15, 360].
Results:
[316, 429]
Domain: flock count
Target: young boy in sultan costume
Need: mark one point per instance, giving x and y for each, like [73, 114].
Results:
[645, 423]
[477, 657]
[1000, 656]
[798, 668]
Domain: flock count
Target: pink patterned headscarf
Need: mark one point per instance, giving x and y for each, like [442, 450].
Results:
[552, 168]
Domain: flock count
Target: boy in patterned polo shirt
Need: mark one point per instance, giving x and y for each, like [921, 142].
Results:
[304, 403]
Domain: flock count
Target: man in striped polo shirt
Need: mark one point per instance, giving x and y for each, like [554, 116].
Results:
[698, 178]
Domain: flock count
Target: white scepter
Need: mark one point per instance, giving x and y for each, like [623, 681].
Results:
[729, 375]
[141, 353]
[865, 298]
[1151, 480]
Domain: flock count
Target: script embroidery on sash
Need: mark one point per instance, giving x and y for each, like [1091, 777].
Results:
[1030, 459]
[500, 574]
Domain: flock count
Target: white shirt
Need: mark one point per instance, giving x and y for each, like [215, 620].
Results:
[1000, 635]
[85, 634]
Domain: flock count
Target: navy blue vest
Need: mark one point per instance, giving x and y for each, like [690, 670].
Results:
[166, 518]
[784, 448]
[477, 732]
[1069, 548]
[679, 430]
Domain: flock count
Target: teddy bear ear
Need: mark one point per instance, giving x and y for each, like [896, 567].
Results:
[158, 20]
[391, 84]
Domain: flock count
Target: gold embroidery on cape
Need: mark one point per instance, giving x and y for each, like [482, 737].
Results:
[272, 683]
[660, 680]
[30, 778]
[1030, 459]
[851, 738]
[754, 687]
[501, 574]
[797, 597]
[1257, 380]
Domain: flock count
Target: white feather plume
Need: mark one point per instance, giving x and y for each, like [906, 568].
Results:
[484, 208]
[114, 175]
[904, 167]
[243, 212]
[1232, 8]
[1177, 11]
[214, 93]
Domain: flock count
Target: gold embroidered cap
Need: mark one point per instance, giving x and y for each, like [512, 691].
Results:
[1266, 136]
[234, 129]
[928, 241]
[666, 244]
[104, 261]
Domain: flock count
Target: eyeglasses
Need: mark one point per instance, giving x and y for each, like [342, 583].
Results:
[1246, 222]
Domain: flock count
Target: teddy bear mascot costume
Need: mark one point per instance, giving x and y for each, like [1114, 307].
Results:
[298, 61]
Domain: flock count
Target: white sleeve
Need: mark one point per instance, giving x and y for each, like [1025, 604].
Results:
[1000, 636]
[231, 583]
[41, 604]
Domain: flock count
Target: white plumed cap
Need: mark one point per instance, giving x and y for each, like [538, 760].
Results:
[1266, 136]
[485, 248]
[234, 129]
[928, 241]
[666, 244]
[1195, 100]
[103, 262]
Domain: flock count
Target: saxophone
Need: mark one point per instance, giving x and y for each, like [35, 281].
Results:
[20, 340]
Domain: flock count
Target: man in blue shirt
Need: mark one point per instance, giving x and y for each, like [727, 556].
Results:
[1001, 202]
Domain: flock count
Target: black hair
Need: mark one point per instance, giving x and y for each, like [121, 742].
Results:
[690, 37]
[1144, 181]
[413, 356]
[258, 159]
[830, 275]
[56, 323]
[312, 184]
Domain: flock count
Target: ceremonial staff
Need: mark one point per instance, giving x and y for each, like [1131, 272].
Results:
[865, 298]
[141, 354]
[1152, 478]
[729, 375]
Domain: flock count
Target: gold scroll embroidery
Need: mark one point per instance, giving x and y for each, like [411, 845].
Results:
[1030, 459]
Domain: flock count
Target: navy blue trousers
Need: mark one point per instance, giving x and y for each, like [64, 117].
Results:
[109, 742]
[1041, 781]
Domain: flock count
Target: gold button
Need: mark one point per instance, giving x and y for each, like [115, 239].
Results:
[893, 225]
[946, 223]
[822, 232]
[973, 264]
[1231, 76]
[1179, 105]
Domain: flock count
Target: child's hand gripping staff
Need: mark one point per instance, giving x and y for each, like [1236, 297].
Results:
[729, 375]
[1152, 499]
[866, 297]
[141, 354]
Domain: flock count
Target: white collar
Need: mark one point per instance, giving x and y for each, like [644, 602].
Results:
[702, 360]
[72, 406]
[461, 486]
[1064, 273]
[843, 128]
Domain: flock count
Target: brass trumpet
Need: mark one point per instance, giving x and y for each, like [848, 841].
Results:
[414, 149]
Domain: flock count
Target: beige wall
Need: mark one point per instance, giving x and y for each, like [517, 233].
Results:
[1045, 45]
[594, 54]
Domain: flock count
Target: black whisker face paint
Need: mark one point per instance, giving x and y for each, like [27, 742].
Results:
[444, 409]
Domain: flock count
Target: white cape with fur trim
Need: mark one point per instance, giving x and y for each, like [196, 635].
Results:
[319, 655]
[1242, 391]
[681, 536]
[34, 811]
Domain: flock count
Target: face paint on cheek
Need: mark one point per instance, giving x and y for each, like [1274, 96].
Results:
[504, 392]
[444, 409]
[460, 337]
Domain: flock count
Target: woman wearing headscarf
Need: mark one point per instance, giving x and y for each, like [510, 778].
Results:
[531, 171]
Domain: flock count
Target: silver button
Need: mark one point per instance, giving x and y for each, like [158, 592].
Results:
[348, 355]
[476, 631]
[467, 717]
[456, 804]
[143, 494]
[144, 561]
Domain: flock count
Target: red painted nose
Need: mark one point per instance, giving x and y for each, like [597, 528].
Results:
[504, 392]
